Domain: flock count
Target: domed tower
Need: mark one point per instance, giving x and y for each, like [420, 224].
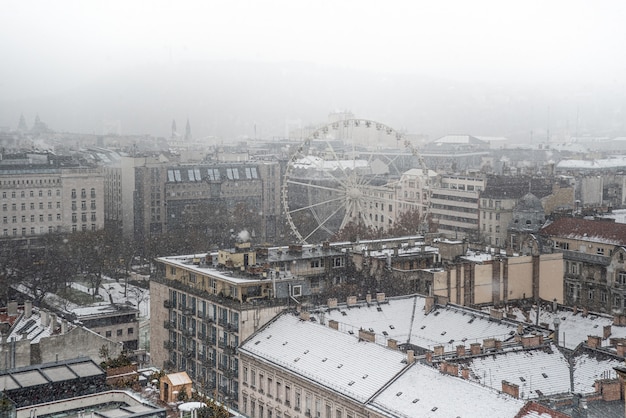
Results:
[528, 217]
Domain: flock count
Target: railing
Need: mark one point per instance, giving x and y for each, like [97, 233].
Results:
[169, 345]
[189, 353]
[211, 341]
[208, 319]
[169, 304]
[232, 327]
[229, 349]
[189, 332]
[169, 324]
[188, 311]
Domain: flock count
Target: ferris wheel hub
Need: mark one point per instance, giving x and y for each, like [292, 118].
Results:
[354, 193]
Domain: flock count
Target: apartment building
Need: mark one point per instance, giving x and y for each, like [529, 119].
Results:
[41, 193]
[593, 257]
[149, 196]
[504, 197]
[454, 205]
[117, 323]
[204, 305]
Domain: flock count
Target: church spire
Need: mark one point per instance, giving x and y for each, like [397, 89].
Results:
[188, 131]
[174, 133]
[21, 126]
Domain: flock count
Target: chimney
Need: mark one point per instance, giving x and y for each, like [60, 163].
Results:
[575, 310]
[367, 336]
[489, 343]
[621, 350]
[585, 312]
[12, 308]
[380, 297]
[53, 322]
[410, 356]
[452, 369]
[393, 344]
[498, 345]
[606, 331]
[475, 349]
[63, 326]
[45, 320]
[510, 389]
[438, 350]
[332, 303]
[529, 341]
[465, 373]
[28, 309]
[351, 300]
[305, 316]
[496, 313]
[460, 350]
[333, 324]
[428, 356]
[429, 303]
[368, 298]
[593, 341]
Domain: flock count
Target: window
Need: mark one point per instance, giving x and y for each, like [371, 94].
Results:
[232, 173]
[600, 251]
[621, 277]
[214, 174]
[298, 401]
[287, 395]
[130, 331]
[251, 173]
[108, 334]
[252, 378]
[603, 297]
[73, 193]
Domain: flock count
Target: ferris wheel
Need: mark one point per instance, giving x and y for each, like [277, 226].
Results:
[340, 175]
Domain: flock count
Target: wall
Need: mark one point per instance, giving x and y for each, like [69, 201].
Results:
[83, 342]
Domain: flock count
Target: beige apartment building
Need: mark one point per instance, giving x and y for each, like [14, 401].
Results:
[40, 194]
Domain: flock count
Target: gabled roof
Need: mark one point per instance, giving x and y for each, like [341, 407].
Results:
[329, 358]
[425, 392]
[404, 320]
[587, 230]
[178, 379]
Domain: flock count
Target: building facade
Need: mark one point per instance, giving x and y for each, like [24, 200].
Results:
[40, 194]
[454, 206]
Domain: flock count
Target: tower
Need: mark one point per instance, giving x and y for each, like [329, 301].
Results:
[174, 133]
[188, 131]
[21, 126]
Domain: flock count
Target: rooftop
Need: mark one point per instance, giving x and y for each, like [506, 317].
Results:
[295, 345]
[604, 232]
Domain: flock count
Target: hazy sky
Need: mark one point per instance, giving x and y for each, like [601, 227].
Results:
[49, 46]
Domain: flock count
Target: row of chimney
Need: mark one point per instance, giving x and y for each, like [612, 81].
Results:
[352, 300]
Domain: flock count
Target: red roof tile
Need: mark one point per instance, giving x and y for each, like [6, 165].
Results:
[587, 230]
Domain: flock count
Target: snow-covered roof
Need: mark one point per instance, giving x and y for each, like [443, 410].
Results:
[303, 347]
[424, 392]
[318, 163]
[599, 164]
[536, 372]
[588, 368]
[180, 378]
[574, 328]
[404, 320]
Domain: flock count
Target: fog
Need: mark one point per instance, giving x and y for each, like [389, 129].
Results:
[243, 68]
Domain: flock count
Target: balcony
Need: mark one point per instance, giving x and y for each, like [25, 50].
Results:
[188, 311]
[223, 322]
[169, 345]
[208, 319]
[229, 349]
[211, 341]
[190, 354]
[232, 327]
[169, 304]
[169, 324]
[189, 332]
